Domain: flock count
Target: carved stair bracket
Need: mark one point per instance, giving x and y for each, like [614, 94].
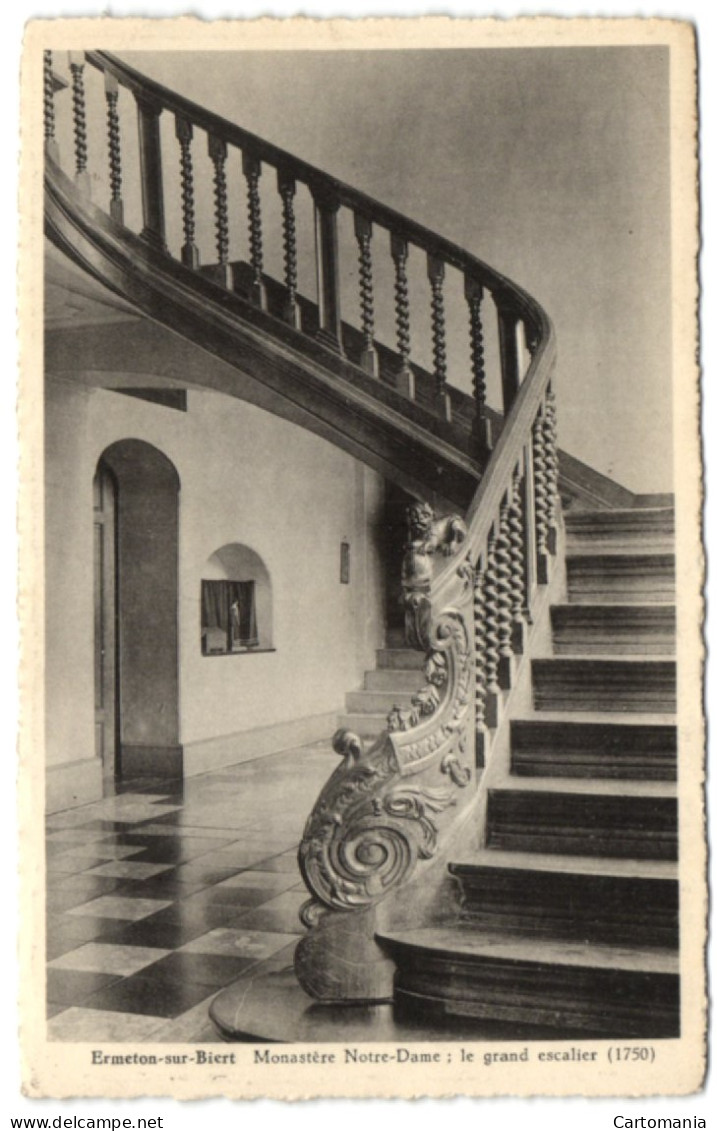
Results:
[435, 726]
[426, 536]
[367, 830]
[383, 810]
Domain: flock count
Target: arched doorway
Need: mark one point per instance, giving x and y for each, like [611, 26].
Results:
[136, 603]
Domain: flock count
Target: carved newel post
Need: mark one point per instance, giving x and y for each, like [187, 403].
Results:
[371, 850]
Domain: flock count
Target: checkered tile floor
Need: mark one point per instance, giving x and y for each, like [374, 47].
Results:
[157, 899]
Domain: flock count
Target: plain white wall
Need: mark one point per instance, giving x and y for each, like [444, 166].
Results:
[248, 477]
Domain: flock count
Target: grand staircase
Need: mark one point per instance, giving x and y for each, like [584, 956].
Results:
[498, 843]
[568, 914]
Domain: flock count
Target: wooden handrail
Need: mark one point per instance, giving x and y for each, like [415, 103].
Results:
[513, 438]
[519, 316]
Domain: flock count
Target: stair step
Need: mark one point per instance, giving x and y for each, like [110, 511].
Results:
[631, 519]
[456, 971]
[394, 679]
[622, 578]
[626, 867]
[365, 725]
[404, 658]
[590, 684]
[600, 787]
[613, 629]
[639, 824]
[373, 702]
[597, 907]
[560, 748]
[637, 527]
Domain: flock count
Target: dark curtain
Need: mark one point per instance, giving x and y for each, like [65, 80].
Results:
[215, 616]
[215, 604]
[228, 607]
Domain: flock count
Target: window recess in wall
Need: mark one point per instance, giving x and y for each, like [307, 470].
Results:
[229, 622]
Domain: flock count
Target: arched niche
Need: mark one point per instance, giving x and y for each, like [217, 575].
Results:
[236, 562]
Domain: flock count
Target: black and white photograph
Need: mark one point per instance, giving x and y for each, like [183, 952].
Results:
[362, 463]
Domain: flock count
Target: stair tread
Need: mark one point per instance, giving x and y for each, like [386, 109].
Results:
[401, 695]
[619, 514]
[370, 723]
[629, 551]
[393, 679]
[364, 714]
[606, 658]
[402, 659]
[603, 718]
[634, 659]
[638, 608]
[628, 601]
[616, 867]
[583, 546]
[461, 939]
[587, 787]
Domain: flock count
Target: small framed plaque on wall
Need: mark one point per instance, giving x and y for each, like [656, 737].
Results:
[345, 567]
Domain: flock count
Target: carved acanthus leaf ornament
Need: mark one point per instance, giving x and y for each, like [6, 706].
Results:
[368, 829]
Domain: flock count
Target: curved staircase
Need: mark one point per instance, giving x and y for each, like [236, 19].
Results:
[498, 842]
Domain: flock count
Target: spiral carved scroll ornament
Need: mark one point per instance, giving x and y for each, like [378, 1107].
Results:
[368, 830]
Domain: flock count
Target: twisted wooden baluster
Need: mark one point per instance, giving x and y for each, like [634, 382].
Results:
[481, 425]
[251, 167]
[504, 583]
[287, 190]
[114, 148]
[184, 132]
[399, 254]
[519, 608]
[551, 466]
[541, 486]
[364, 230]
[49, 104]
[218, 154]
[436, 276]
[491, 633]
[479, 618]
[77, 69]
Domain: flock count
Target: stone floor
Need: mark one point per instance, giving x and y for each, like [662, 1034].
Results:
[162, 895]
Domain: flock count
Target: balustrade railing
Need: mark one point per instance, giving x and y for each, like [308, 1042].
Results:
[470, 583]
[387, 811]
[460, 342]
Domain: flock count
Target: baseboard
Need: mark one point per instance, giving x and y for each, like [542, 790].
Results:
[73, 783]
[209, 754]
[78, 783]
[151, 761]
